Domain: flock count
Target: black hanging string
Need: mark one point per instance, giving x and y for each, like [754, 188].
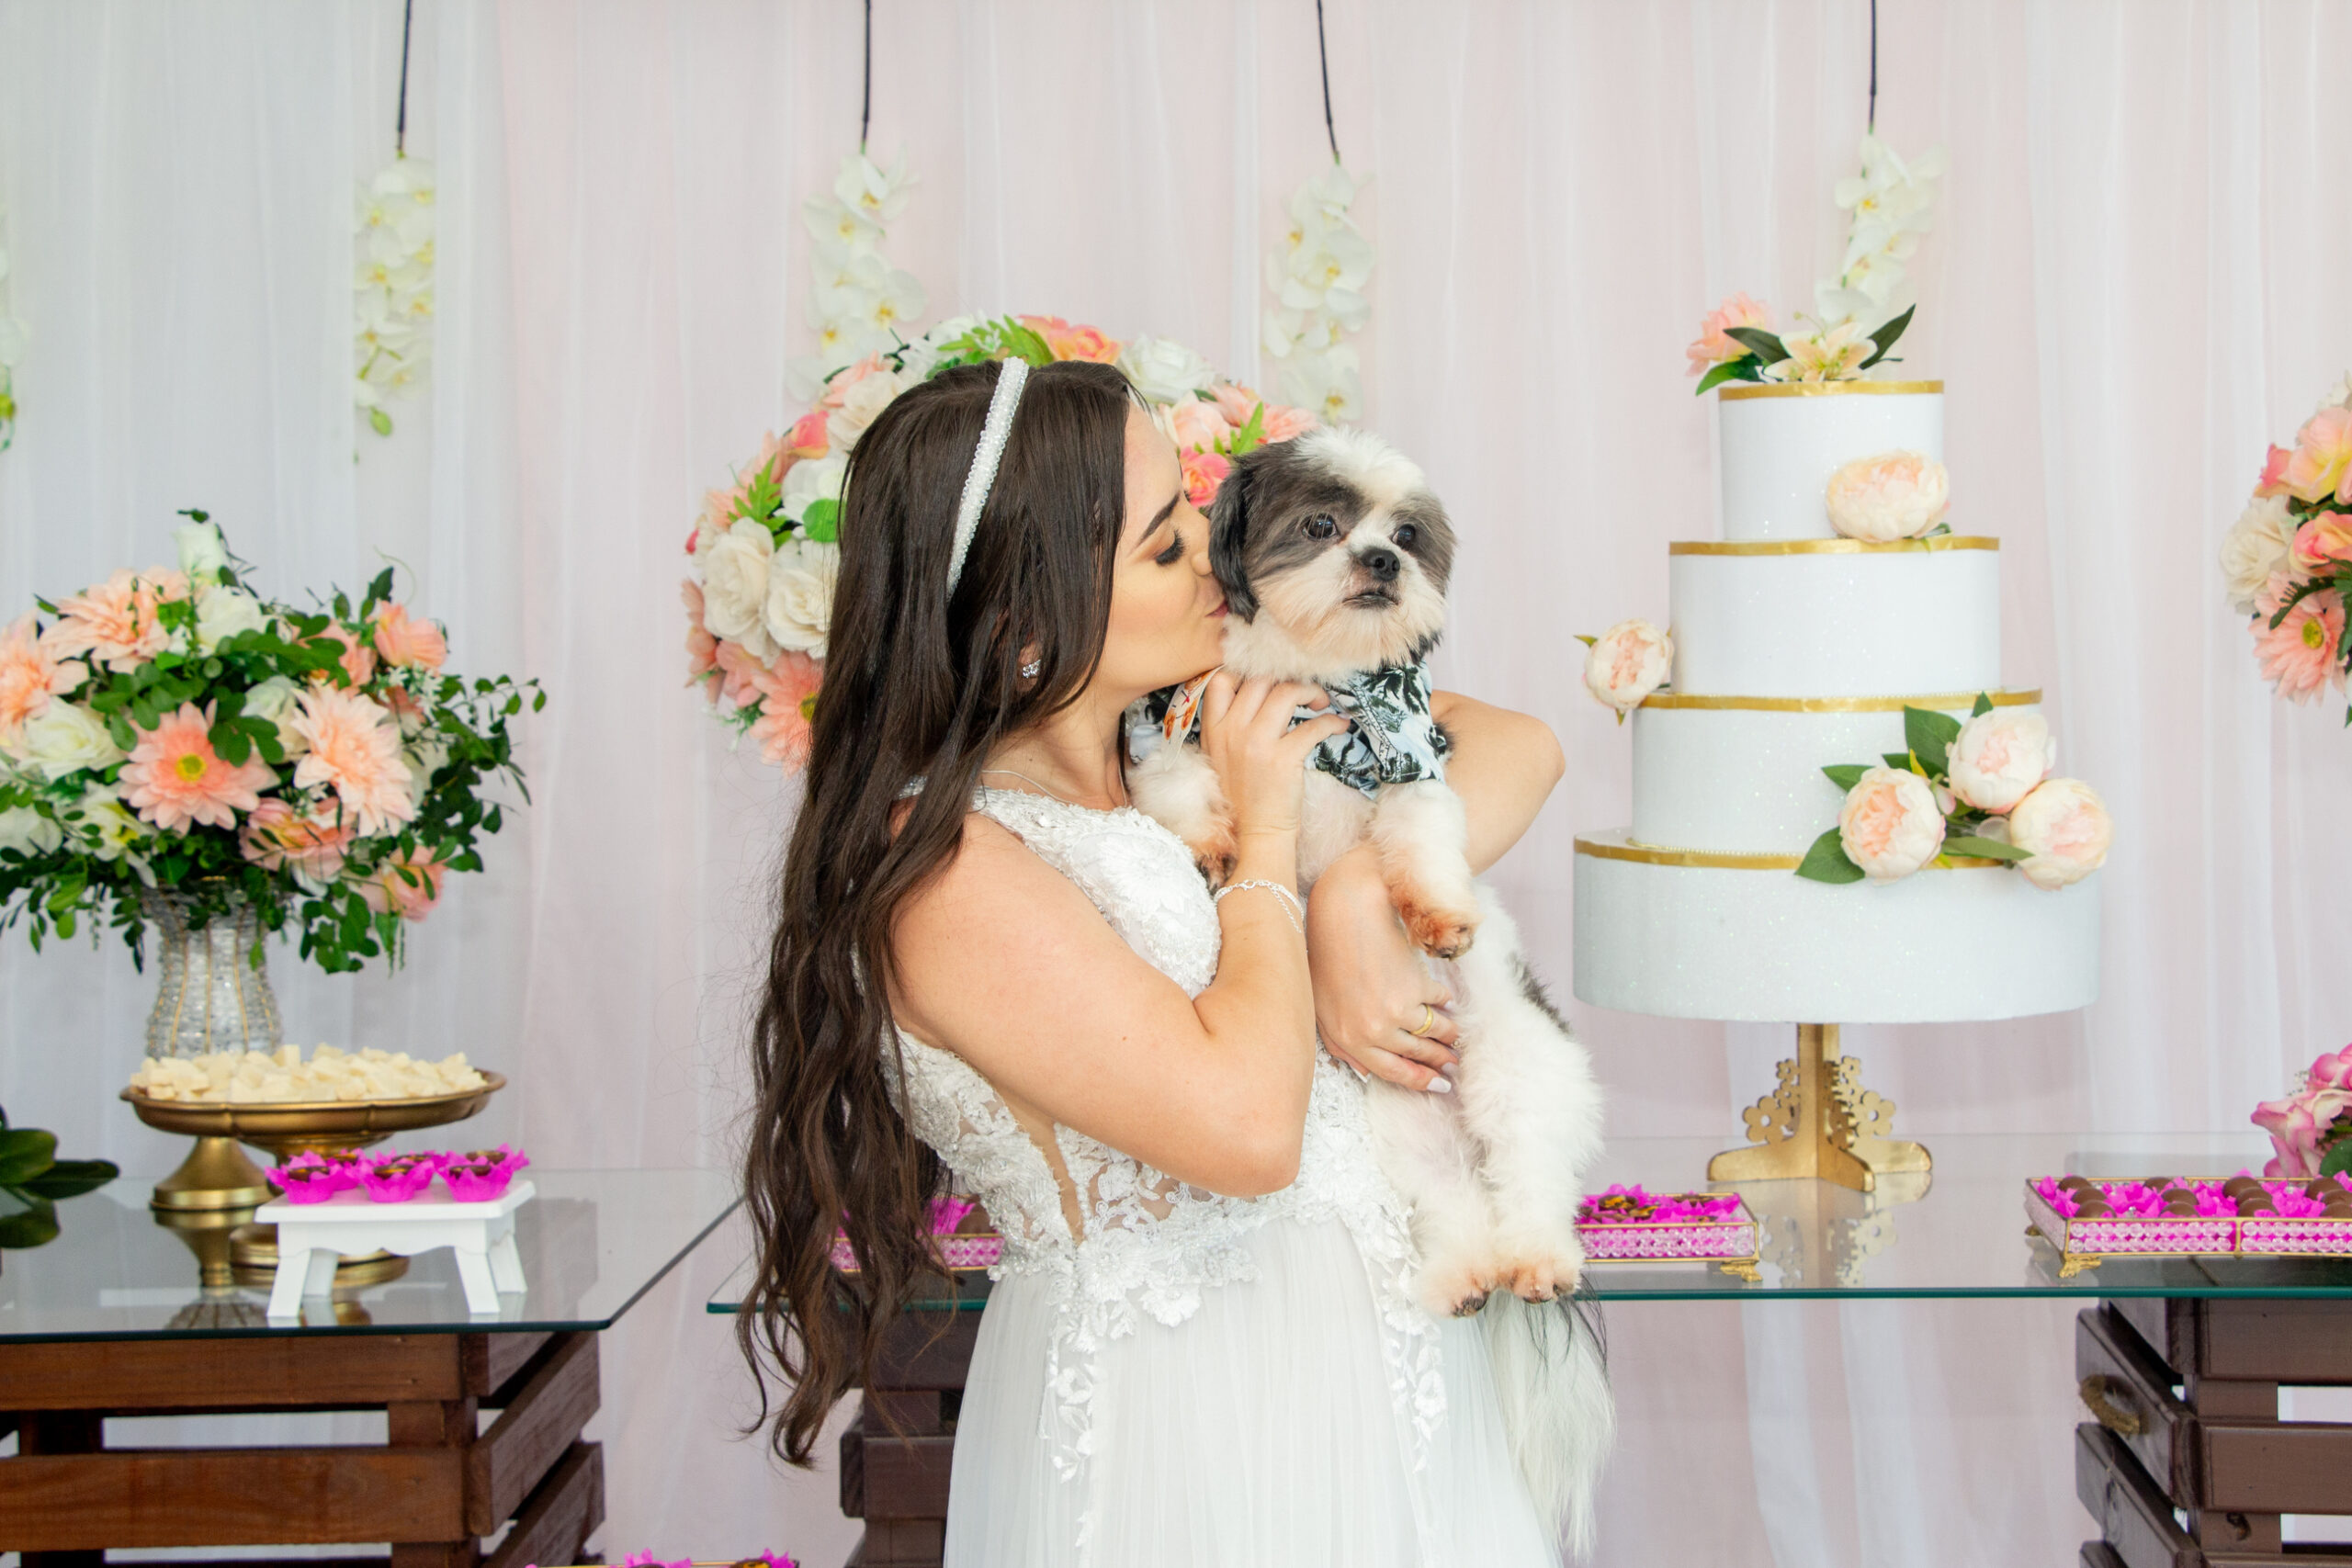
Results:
[1870, 119]
[865, 106]
[399, 124]
[1323, 57]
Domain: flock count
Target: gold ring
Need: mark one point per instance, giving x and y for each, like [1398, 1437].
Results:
[1429, 1021]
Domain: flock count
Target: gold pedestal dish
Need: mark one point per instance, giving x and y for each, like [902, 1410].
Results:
[1821, 1122]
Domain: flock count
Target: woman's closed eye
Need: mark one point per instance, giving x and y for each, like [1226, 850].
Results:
[1175, 551]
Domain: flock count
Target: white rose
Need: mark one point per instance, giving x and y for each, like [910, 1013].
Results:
[2257, 546]
[2338, 396]
[2064, 825]
[1164, 370]
[735, 586]
[275, 700]
[65, 737]
[425, 758]
[1895, 495]
[28, 832]
[110, 829]
[223, 612]
[1628, 661]
[864, 399]
[1889, 825]
[800, 611]
[2000, 756]
[817, 480]
[202, 555]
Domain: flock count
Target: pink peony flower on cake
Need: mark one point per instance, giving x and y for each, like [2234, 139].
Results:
[30, 674]
[2322, 464]
[407, 642]
[114, 622]
[2000, 756]
[1889, 825]
[174, 779]
[2064, 826]
[1713, 345]
[2298, 655]
[1626, 663]
[1894, 495]
[354, 750]
[408, 885]
[314, 843]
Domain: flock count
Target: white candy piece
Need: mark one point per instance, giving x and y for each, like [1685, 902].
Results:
[282, 1076]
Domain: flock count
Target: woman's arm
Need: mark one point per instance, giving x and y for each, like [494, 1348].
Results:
[1371, 982]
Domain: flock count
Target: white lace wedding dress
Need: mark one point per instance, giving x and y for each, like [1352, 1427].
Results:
[1171, 1378]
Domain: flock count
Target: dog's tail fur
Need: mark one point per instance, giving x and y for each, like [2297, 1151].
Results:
[1551, 1365]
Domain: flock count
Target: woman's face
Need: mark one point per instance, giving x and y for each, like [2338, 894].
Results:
[1166, 611]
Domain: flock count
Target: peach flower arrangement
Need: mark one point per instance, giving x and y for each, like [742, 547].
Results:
[2287, 561]
[1975, 790]
[764, 551]
[171, 731]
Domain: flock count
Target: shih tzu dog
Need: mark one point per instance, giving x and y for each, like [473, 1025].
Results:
[1334, 556]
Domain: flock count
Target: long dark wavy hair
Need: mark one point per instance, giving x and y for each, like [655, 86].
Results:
[919, 682]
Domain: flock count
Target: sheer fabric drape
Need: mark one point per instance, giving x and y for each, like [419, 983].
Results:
[2135, 281]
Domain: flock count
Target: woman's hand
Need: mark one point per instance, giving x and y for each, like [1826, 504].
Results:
[1372, 984]
[1259, 757]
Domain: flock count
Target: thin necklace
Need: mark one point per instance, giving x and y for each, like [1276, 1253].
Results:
[1049, 789]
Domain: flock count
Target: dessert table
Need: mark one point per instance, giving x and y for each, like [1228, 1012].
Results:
[125, 1316]
[2179, 1359]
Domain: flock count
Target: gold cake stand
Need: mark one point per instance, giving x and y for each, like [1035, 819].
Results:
[217, 1177]
[1821, 1122]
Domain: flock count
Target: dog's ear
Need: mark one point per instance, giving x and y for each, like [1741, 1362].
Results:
[1229, 539]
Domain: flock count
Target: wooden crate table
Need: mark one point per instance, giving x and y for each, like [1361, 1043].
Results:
[483, 1413]
[2233, 1329]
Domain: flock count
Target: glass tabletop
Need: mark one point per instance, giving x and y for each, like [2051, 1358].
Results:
[1959, 1231]
[592, 1242]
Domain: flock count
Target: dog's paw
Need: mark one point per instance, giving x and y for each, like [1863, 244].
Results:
[1541, 1278]
[1216, 855]
[1437, 929]
[1454, 1291]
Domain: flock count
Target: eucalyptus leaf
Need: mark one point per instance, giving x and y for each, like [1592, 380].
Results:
[1827, 860]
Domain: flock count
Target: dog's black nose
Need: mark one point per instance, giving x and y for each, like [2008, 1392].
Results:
[1382, 564]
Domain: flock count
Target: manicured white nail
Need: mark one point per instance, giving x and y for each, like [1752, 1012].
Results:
[1439, 1086]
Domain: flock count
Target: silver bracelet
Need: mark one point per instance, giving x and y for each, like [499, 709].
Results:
[1291, 909]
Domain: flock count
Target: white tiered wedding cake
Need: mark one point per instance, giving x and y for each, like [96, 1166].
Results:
[1794, 648]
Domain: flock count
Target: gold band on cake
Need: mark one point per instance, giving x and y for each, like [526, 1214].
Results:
[1717, 860]
[1734, 392]
[1941, 701]
[1829, 546]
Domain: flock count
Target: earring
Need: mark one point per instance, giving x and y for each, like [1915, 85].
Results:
[1029, 671]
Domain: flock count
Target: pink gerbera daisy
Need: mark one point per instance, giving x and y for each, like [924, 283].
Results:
[787, 705]
[30, 675]
[2300, 652]
[355, 751]
[174, 779]
[114, 622]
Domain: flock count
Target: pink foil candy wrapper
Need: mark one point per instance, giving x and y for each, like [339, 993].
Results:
[397, 1180]
[300, 1183]
[505, 1156]
[1634, 1205]
[470, 1182]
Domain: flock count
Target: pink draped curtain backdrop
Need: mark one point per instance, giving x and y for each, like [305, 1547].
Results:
[2136, 279]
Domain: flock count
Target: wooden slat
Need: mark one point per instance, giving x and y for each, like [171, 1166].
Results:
[489, 1360]
[2280, 1341]
[230, 1497]
[2273, 1467]
[292, 1372]
[899, 1478]
[2135, 1518]
[927, 1350]
[901, 1543]
[2098, 1554]
[429, 1423]
[463, 1554]
[2166, 1324]
[557, 1520]
[545, 1417]
[2113, 1363]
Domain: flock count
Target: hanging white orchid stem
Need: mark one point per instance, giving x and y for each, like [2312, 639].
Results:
[1893, 204]
[1319, 272]
[858, 302]
[393, 287]
[12, 346]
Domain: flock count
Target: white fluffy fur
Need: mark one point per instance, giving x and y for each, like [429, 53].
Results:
[1493, 1172]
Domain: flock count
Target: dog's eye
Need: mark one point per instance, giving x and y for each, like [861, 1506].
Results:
[1405, 536]
[1320, 527]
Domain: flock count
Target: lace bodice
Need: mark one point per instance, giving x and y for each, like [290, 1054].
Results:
[1118, 1236]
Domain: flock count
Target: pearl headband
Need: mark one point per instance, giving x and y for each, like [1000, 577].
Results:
[1013, 371]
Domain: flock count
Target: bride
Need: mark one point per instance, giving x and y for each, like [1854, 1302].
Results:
[1200, 1350]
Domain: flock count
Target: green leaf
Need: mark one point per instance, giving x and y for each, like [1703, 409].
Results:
[1827, 861]
[1767, 346]
[1929, 733]
[70, 1179]
[1899, 760]
[380, 588]
[25, 1153]
[1984, 849]
[1025, 344]
[34, 1226]
[381, 422]
[2338, 1158]
[1885, 338]
[1984, 705]
[1846, 775]
[822, 521]
[229, 738]
[1744, 368]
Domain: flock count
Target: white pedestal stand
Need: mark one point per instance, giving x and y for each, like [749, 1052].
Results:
[311, 1237]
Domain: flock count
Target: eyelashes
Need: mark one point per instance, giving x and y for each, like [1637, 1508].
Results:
[1175, 551]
